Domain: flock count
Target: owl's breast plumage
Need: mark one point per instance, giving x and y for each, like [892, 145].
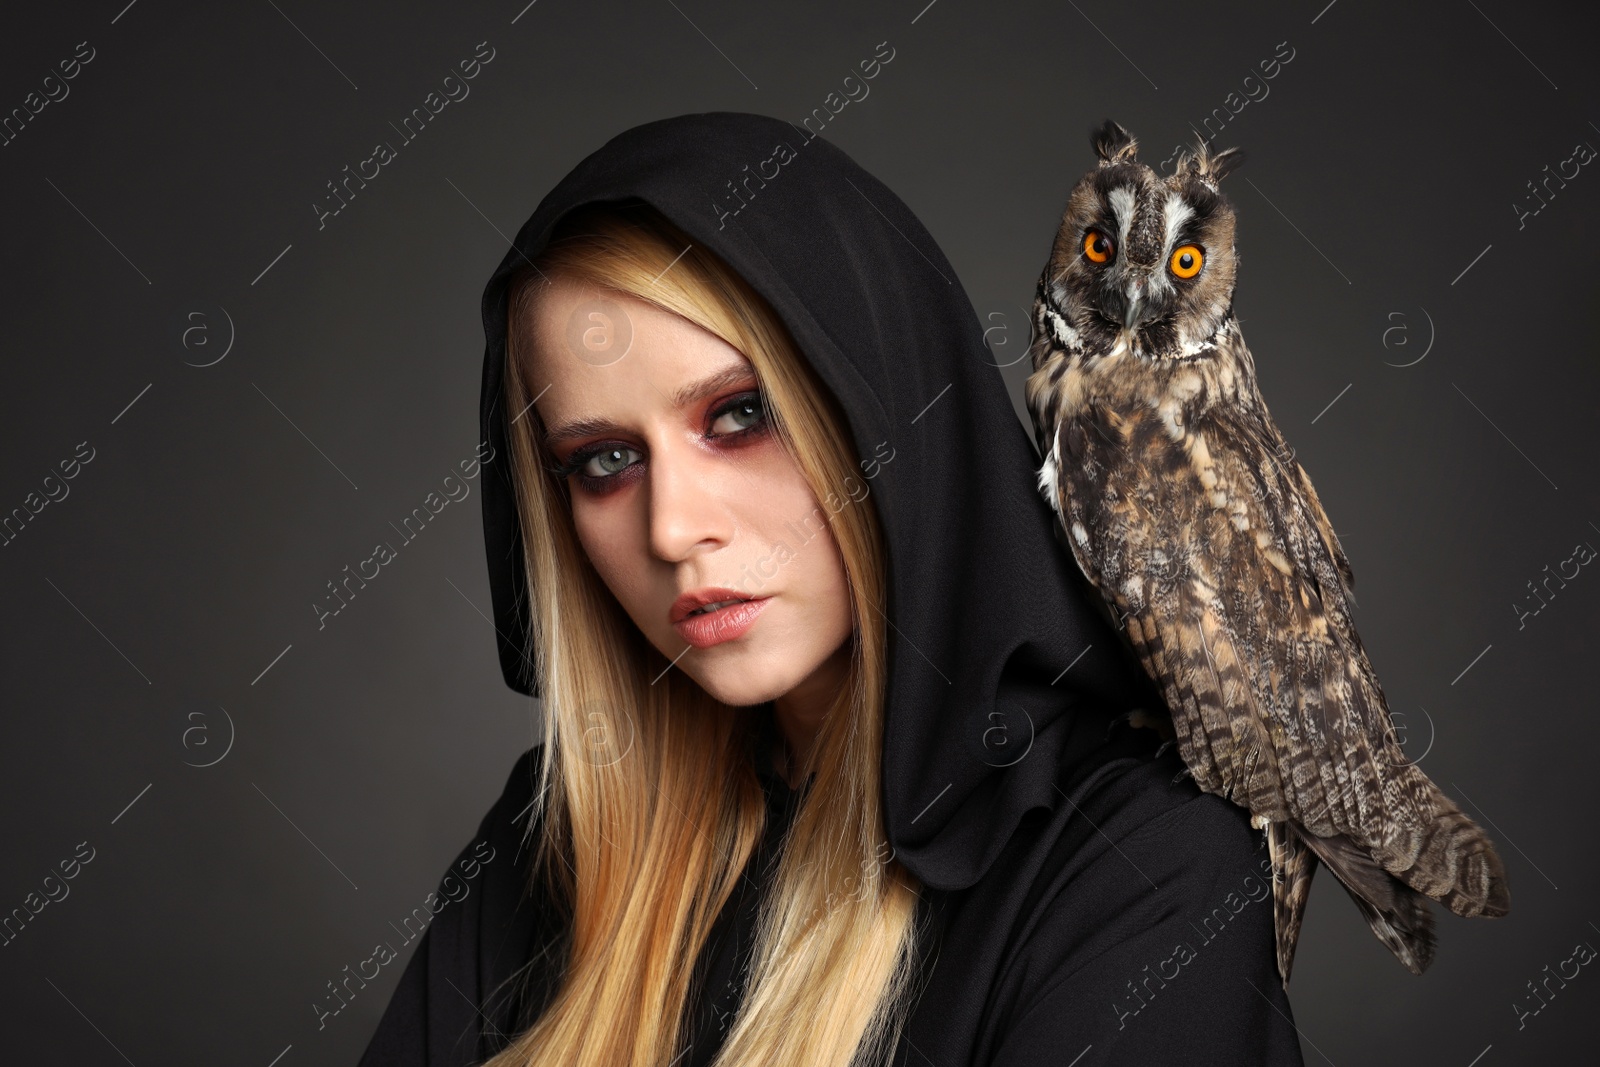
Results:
[1141, 466]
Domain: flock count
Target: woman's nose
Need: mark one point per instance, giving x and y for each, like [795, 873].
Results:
[689, 501]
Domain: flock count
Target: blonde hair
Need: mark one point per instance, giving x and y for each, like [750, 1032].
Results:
[648, 798]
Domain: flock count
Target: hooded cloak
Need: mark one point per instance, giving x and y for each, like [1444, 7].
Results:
[1075, 897]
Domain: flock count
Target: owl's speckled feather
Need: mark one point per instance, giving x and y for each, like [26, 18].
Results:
[1185, 507]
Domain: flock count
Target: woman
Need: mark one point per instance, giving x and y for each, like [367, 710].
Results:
[886, 809]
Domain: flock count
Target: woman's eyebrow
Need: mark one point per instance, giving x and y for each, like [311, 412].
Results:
[730, 376]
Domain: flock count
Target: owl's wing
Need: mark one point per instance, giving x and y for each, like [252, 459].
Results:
[1235, 605]
[1115, 502]
[1335, 549]
[1314, 508]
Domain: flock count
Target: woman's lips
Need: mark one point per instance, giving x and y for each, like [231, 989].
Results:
[724, 624]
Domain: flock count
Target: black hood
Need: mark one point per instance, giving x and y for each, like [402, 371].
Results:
[1004, 676]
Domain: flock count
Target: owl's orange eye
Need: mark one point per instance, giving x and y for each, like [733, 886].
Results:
[1097, 247]
[1186, 261]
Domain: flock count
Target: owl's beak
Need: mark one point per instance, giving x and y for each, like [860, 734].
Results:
[1135, 302]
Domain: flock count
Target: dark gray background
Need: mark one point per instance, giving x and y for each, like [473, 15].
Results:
[1385, 159]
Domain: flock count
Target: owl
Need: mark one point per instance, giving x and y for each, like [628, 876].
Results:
[1186, 510]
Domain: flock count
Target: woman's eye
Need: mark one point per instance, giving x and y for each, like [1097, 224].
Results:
[741, 414]
[608, 461]
[608, 467]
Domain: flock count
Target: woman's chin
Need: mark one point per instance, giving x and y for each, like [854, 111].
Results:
[734, 680]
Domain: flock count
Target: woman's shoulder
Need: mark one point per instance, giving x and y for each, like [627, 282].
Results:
[1147, 911]
[515, 803]
[1137, 835]
[1150, 800]
[505, 843]
[479, 966]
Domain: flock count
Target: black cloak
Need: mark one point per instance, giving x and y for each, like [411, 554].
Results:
[1080, 906]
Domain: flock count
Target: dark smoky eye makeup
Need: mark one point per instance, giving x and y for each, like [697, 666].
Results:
[750, 404]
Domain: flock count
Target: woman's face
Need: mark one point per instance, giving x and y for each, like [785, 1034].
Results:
[679, 485]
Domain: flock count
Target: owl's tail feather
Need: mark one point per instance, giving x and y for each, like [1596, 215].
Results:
[1398, 914]
[1292, 867]
[1450, 858]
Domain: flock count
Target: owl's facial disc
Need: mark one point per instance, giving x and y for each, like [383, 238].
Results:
[1142, 265]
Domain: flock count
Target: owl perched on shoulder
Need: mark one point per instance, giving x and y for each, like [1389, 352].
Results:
[1186, 509]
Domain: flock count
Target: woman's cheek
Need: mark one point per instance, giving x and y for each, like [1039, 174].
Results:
[608, 548]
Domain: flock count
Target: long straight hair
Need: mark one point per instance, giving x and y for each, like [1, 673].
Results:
[648, 807]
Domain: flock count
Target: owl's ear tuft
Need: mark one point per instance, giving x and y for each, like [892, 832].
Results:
[1113, 144]
[1211, 167]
